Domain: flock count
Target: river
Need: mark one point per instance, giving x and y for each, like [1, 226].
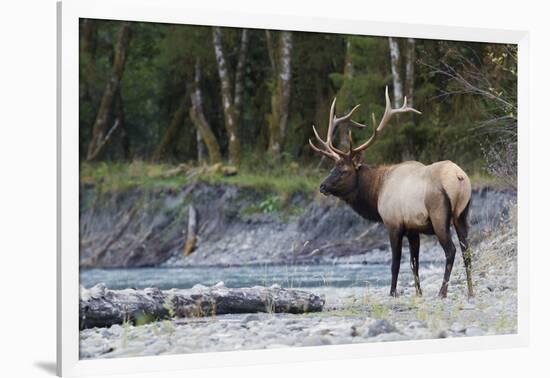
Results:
[303, 276]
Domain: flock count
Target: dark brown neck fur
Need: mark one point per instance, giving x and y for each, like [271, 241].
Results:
[364, 199]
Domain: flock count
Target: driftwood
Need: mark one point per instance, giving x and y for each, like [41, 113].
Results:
[191, 237]
[102, 307]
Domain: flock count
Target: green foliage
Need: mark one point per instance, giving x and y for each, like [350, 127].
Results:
[456, 123]
[270, 204]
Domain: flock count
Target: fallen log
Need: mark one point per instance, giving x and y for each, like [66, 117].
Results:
[102, 307]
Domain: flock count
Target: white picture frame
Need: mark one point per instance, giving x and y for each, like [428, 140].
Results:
[173, 11]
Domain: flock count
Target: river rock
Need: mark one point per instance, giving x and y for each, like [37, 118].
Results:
[474, 331]
[391, 336]
[250, 318]
[416, 324]
[380, 326]
[312, 340]
[458, 327]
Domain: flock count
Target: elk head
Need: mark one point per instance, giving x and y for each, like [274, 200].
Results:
[343, 178]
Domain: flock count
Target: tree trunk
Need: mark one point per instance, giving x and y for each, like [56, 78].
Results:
[171, 132]
[231, 125]
[87, 40]
[239, 75]
[409, 70]
[121, 116]
[397, 83]
[345, 94]
[101, 307]
[100, 132]
[201, 149]
[199, 120]
[271, 51]
[280, 98]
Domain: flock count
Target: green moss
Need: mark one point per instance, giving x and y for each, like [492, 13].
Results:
[117, 177]
[284, 184]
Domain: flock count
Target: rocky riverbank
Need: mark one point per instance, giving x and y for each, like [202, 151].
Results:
[237, 226]
[350, 315]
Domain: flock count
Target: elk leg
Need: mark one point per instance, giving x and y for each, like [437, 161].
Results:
[414, 247]
[462, 232]
[440, 214]
[396, 240]
[446, 241]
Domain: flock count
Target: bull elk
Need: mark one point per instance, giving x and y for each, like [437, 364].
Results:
[410, 198]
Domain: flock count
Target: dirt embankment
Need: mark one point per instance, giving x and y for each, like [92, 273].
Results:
[139, 228]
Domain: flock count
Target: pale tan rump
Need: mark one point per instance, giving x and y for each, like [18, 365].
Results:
[407, 186]
[455, 182]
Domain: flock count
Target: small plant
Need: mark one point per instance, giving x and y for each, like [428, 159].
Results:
[155, 329]
[213, 309]
[269, 303]
[169, 327]
[270, 205]
[169, 305]
[501, 160]
[379, 311]
[125, 330]
[422, 315]
[142, 319]
[434, 320]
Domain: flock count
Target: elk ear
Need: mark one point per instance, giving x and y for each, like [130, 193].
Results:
[357, 159]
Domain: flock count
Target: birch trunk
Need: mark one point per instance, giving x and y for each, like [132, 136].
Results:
[239, 75]
[199, 120]
[280, 98]
[231, 125]
[397, 83]
[100, 131]
[409, 70]
[345, 93]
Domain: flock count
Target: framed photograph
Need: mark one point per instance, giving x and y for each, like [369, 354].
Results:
[240, 189]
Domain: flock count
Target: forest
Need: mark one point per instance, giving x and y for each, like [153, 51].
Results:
[200, 208]
[171, 94]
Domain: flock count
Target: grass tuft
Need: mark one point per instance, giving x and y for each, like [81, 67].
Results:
[118, 177]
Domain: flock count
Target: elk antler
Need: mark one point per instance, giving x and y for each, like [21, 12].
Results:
[334, 153]
[328, 148]
[388, 113]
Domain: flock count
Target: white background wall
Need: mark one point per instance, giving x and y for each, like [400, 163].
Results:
[27, 187]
